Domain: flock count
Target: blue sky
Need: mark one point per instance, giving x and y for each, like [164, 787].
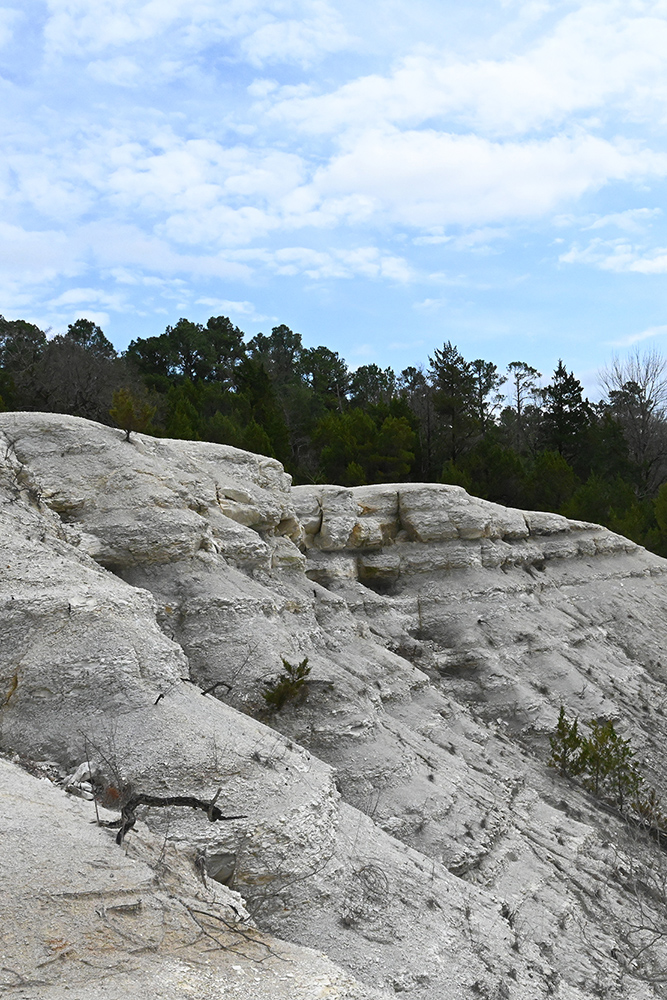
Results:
[381, 177]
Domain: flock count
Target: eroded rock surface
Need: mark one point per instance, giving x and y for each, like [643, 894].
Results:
[398, 816]
[82, 918]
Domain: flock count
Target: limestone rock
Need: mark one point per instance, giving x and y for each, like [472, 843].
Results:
[399, 810]
[149, 500]
[83, 919]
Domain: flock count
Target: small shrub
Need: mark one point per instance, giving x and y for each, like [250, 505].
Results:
[130, 411]
[609, 766]
[568, 751]
[605, 763]
[288, 685]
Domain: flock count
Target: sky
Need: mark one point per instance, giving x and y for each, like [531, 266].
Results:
[381, 177]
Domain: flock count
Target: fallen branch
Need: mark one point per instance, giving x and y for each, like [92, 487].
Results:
[129, 818]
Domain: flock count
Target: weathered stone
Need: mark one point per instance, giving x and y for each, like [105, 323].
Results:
[404, 813]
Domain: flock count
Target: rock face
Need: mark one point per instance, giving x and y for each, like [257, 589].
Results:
[398, 814]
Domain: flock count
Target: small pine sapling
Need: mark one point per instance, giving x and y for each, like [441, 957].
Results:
[291, 683]
[605, 763]
[610, 767]
[568, 749]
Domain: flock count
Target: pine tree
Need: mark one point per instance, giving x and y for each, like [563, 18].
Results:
[568, 749]
[609, 764]
[454, 384]
[566, 415]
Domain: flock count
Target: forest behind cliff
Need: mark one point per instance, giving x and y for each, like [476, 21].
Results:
[505, 436]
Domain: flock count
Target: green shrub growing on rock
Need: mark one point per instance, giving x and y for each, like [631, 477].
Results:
[288, 685]
[567, 747]
[605, 763]
[609, 769]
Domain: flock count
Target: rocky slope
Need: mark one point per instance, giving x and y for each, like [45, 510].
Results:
[400, 816]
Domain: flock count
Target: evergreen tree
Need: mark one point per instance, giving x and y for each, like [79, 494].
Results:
[454, 385]
[355, 449]
[130, 411]
[256, 387]
[604, 449]
[600, 501]
[21, 348]
[609, 764]
[226, 349]
[280, 354]
[21, 344]
[551, 482]
[191, 351]
[254, 438]
[394, 452]
[606, 763]
[370, 385]
[346, 441]
[153, 357]
[327, 375]
[568, 750]
[416, 391]
[89, 335]
[566, 415]
[224, 429]
[183, 418]
[494, 472]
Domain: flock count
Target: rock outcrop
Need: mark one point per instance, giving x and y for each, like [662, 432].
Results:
[398, 815]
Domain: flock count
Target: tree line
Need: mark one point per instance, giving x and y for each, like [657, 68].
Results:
[501, 434]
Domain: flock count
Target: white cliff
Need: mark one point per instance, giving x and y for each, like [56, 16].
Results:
[400, 817]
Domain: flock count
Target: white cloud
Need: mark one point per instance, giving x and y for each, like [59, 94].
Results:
[47, 182]
[115, 245]
[126, 277]
[420, 241]
[162, 186]
[598, 54]
[262, 87]
[618, 255]
[298, 40]
[244, 309]
[633, 220]
[427, 178]
[637, 338]
[78, 26]
[96, 315]
[367, 262]
[265, 30]
[429, 305]
[362, 351]
[475, 239]
[203, 191]
[404, 345]
[90, 297]
[37, 255]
